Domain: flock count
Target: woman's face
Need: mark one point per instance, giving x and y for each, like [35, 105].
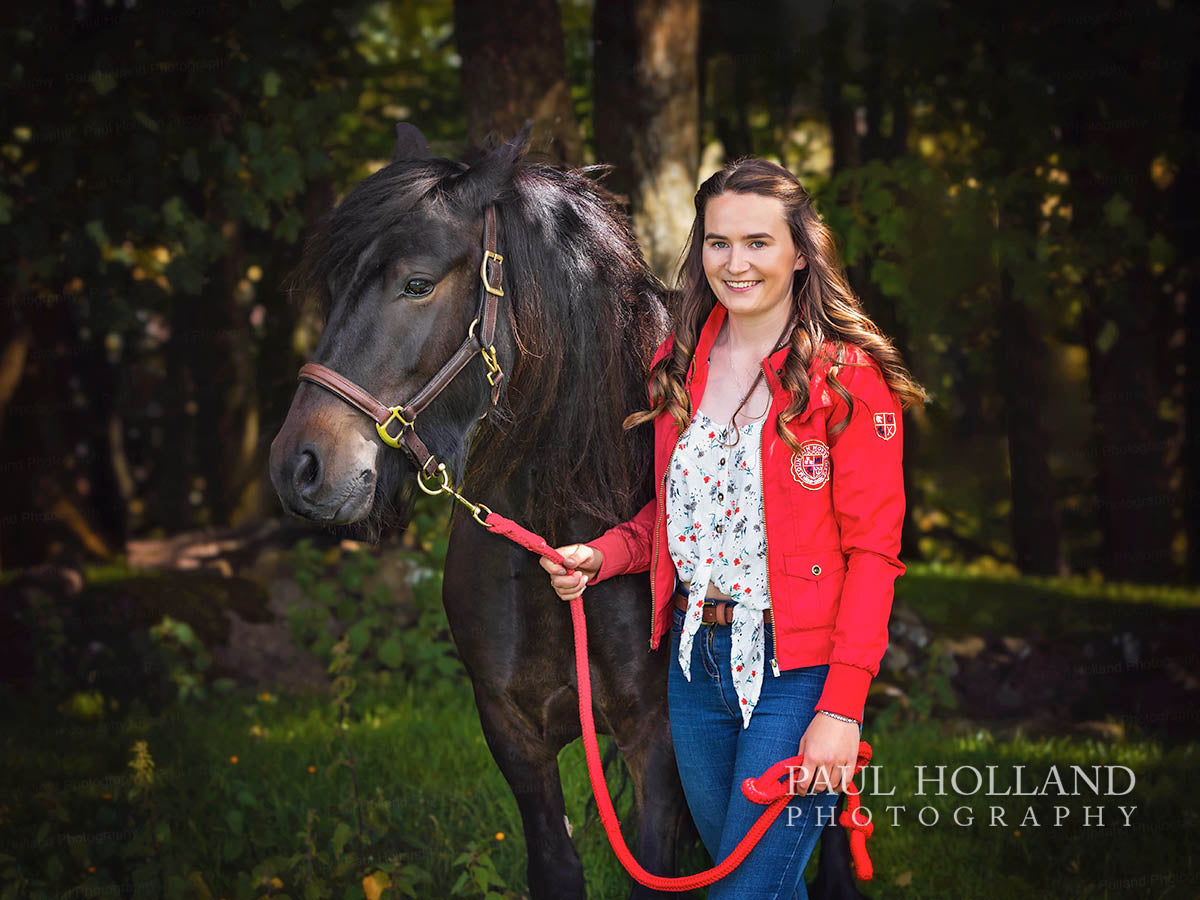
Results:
[749, 256]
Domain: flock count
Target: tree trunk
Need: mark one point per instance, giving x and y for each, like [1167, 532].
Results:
[835, 71]
[1123, 324]
[1134, 500]
[1021, 362]
[1185, 236]
[647, 116]
[1021, 351]
[727, 39]
[1127, 319]
[513, 69]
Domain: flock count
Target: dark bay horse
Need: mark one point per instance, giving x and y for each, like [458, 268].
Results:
[397, 268]
[397, 265]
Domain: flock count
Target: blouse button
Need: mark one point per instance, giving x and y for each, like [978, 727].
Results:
[720, 496]
[816, 570]
[722, 460]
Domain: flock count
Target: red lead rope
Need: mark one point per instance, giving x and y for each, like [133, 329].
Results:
[767, 790]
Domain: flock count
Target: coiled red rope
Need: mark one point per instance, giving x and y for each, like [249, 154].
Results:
[767, 790]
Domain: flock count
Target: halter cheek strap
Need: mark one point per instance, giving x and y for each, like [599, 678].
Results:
[405, 437]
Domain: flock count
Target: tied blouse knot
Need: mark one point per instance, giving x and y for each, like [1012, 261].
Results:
[715, 532]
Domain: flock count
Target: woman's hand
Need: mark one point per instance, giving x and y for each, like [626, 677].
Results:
[583, 559]
[830, 750]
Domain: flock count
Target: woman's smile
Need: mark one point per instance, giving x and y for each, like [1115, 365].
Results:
[749, 257]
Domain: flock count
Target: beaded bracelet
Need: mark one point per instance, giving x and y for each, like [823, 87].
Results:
[838, 716]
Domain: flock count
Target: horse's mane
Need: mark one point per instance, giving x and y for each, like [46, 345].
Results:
[588, 314]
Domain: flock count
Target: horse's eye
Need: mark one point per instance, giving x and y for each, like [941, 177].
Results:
[418, 287]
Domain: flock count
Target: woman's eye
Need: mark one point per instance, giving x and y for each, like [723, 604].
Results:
[757, 245]
[418, 287]
[718, 245]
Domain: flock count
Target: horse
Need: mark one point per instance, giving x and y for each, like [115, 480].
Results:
[526, 417]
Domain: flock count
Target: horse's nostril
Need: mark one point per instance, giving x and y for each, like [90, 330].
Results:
[307, 476]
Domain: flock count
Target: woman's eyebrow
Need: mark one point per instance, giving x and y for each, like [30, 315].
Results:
[746, 237]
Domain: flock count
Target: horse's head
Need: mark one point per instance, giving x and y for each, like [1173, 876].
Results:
[397, 268]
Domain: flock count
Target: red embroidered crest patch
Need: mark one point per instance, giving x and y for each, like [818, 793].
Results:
[885, 425]
[810, 464]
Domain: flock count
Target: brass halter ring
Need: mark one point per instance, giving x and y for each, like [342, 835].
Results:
[478, 510]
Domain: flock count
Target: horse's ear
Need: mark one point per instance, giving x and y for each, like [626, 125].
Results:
[410, 143]
[493, 174]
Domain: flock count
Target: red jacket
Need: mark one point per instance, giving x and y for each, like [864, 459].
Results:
[833, 515]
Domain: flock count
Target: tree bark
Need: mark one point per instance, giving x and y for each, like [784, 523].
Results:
[835, 71]
[727, 40]
[647, 116]
[1021, 352]
[1185, 235]
[1021, 361]
[1127, 320]
[513, 69]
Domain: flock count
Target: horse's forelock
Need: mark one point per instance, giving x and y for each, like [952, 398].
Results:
[370, 219]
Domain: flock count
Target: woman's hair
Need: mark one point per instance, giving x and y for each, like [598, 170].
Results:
[825, 308]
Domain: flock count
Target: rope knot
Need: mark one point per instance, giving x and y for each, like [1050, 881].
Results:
[847, 821]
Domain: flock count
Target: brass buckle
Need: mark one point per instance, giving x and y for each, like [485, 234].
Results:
[382, 428]
[494, 372]
[483, 272]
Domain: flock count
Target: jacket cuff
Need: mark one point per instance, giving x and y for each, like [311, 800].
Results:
[845, 690]
[616, 556]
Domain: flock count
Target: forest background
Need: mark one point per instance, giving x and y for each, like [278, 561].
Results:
[1010, 183]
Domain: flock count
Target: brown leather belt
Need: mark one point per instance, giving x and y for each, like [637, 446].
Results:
[716, 612]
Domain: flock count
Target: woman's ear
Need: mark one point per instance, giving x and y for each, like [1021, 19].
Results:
[801, 262]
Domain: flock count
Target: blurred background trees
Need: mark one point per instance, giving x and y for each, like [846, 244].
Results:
[1010, 183]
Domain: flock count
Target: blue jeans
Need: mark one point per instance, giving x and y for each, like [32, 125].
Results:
[715, 754]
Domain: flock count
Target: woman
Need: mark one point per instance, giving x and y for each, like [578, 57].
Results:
[773, 538]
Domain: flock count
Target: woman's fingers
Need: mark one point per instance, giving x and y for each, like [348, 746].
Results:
[576, 556]
[818, 775]
[828, 775]
[568, 581]
[551, 566]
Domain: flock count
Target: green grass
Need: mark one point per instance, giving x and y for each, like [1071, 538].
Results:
[252, 795]
[429, 790]
[953, 602]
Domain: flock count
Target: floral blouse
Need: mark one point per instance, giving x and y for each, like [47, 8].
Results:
[715, 532]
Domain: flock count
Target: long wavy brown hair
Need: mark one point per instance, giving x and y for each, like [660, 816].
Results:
[825, 308]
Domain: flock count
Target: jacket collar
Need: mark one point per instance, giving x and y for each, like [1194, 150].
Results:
[697, 377]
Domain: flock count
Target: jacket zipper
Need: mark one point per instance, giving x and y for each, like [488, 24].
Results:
[654, 556]
[766, 544]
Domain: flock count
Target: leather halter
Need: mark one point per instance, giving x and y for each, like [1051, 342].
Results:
[406, 414]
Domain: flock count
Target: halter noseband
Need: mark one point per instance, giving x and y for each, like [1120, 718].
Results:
[407, 438]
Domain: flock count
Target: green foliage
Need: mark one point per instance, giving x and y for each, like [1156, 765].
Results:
[342, 600]
[185, 659]
[192, 145]
[479, 877]
[932, 690]
[41, 617]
